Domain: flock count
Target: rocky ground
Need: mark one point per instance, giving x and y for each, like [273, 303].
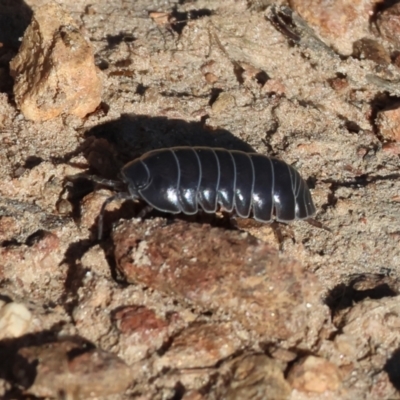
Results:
[198, 307]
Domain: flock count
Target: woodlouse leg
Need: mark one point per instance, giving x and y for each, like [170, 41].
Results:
[282, 231]
[233, 221]
[318, 224]
[118, 196]
[144, 211]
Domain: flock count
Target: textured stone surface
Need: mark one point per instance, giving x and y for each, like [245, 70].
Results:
[340, 23]
[388, 23]
[71, 367]
[141, 331]
[370, 49]
[226, 270]
[162, 72]
[253, 377]
[314, 374]
[369, 323]
[200, 346]
[54, 70]
[15, 319]
[388, 122]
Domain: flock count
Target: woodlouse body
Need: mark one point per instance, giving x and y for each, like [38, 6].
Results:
[184, 179]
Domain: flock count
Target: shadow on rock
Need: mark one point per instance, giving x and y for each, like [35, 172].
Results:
[392, 368]
[109, 146]
[15, 16]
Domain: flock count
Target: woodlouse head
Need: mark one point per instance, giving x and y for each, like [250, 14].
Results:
[136, 176]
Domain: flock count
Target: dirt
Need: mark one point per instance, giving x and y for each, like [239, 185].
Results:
[241, 75]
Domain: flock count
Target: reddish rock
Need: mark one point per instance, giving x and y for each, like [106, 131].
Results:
[200, 346]
[388, 122]
[339, 23]
[9, 228]
[133, 319]
[339, 84]
[142, 332]
[314, 374]
[70, 367]
[223, 270]
[388, 23]
[54, 70]
[274, 86]
[210, 77]
[392, 148]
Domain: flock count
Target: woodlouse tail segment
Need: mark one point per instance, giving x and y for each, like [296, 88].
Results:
[118, 196]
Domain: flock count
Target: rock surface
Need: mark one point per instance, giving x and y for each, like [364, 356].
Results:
[15, 320]
[388, 122]
[340, 23]
[226, 271]
[54, 70]
[223, 74]
[72, 368]
[314, 374]
[388, 23]
[254, 377]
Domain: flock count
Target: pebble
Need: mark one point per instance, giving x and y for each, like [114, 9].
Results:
[15, 320]
[199, 346]
[54, 70]
[388, 23]
[72, 367]
[388, 123]
[255, 377]
[340, 23]
[314, 374]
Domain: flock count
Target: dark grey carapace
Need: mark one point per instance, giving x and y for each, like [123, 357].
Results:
[185, 179]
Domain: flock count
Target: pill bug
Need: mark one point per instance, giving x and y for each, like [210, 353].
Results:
[186, 179]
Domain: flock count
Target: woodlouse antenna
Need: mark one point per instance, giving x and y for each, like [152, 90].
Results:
[117, 185]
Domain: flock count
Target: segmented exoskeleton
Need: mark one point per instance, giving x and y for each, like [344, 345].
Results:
[184, 179]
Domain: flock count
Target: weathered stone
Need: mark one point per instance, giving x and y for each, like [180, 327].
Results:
[254, 377]
[131, 319]
[142, 332]
[339, 23]
[369, 323]
[54, 70]
[314, 374]
[223, 270]
[388, 23]
[388, 122]
[9, 228]
[70, 367]
[370, 49]
[223, 102]
[200, 346]
[15, 319]
[29, 267]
